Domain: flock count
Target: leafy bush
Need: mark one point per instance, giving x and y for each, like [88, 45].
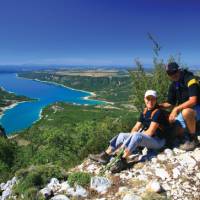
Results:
[8, 152]
[4, 172]
[31, 193]
[142, 80]
[36, 177]
[79, 178]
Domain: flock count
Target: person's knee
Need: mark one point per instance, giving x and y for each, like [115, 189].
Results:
[188, 113]
[138, 137]
[121, 135]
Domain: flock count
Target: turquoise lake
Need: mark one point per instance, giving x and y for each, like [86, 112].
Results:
[23, 115]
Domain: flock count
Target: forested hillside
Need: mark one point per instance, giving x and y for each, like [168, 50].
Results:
[63, 137]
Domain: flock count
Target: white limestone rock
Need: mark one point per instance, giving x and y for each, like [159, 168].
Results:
[142, 177]
[6, 194]
[131, 196]
[166, 186]
[154, 160]
[154, 186]
[46, 192]
[178, 151]
[198, 175]
[54, 185]
[80, 191]
[162, 157]
[176, 173]
[64, 186]
[100, 184]
[14, 180]
[2, 186]
[169, 153]
[196, 155]
[54, 181]
[91, 168]
[71, 191]
[187, 161]
[162, 173]
[7, 185]
[60, 197]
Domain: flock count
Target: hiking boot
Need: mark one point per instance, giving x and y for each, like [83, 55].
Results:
[120, 165]
[189, 145]
[102, 158]
[134, 158]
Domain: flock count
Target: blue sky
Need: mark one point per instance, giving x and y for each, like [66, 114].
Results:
[97, 32]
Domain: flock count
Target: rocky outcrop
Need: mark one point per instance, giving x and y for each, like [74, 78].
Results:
[172, 174]
[6, 189]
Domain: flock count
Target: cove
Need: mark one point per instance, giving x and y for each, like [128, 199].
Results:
[24, 114]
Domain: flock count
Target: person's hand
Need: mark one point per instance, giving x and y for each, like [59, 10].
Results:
[173, 115]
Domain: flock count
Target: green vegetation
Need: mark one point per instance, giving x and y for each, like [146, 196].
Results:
[8, 98]
[157, 80]
[35, 177]
[116, 88]
[142, 80]
[79, 178]
[8, 150]
[64, 136]
[67, 136]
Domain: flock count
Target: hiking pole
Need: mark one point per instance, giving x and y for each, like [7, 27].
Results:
[112, 162]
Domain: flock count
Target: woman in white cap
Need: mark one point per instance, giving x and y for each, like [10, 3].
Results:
[147, 132]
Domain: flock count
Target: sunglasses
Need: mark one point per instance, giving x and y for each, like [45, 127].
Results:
[171, 73]
[150, 98]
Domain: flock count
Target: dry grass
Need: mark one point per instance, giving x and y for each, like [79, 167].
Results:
[153, 196]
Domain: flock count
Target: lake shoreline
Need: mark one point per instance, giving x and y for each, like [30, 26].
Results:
[91, 94]
[15, 103]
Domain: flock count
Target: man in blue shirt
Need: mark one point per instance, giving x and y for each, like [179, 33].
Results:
[184, 98]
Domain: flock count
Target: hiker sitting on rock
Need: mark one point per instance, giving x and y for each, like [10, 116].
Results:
[184, 98]
[147, 132]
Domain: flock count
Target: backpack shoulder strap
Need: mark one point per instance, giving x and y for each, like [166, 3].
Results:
[145, 111]
[154, 112]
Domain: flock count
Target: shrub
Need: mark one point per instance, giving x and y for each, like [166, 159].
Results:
[79, 178]
[157, 80]
[36, 177]
[30, 193]
[7, 151]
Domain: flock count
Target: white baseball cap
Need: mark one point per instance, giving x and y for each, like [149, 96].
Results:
[150, 93]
